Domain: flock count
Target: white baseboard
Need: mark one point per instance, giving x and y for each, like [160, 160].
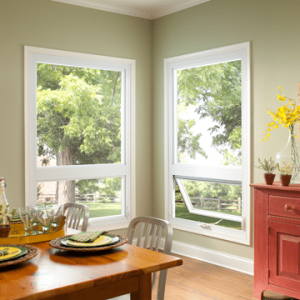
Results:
[222, 259]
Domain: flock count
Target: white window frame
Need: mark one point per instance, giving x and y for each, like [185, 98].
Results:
[174, 170]
[125, 170]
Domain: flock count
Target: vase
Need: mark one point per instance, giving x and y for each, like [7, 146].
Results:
[288, 157]
[269, 178]
[285, 179]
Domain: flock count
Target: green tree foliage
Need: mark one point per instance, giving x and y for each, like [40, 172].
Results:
[78, 117]
[212, 190]
[214, 91]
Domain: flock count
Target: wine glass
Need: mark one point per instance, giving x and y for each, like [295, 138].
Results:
[45, 218]
[26, 220]
[58, 212]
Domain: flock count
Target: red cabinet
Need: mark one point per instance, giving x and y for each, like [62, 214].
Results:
[276, 239]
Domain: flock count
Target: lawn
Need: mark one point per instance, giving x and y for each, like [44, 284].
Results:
[183, 213]
[103, 209]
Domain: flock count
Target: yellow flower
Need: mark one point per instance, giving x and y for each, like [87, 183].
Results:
[286, 115]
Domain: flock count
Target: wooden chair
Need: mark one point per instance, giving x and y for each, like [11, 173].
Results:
[151, 233]
[77, 215]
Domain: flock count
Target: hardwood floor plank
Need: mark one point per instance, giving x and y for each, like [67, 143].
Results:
[197, 280]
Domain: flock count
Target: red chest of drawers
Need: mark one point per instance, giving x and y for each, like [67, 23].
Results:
[276, 239]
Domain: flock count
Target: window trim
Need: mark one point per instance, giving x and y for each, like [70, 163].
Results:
[170, 166]
[125, 170]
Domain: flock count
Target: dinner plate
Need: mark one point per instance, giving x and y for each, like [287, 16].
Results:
[27, 253]
[103, 240]
[14, 252]
[57, 243]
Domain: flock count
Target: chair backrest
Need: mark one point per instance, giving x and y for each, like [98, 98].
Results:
[76, 215]
[152, 233]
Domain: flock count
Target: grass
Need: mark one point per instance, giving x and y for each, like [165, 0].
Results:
[182, 212]
[103, 209]
[98, 209]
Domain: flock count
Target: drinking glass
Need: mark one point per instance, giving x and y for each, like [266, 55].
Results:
[35, 222]
[58, 212]
[26, 220]
[45, 220]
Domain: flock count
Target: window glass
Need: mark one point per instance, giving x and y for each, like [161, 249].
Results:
[209, 114]
[211, 197]
[78, 115]
[102, 196]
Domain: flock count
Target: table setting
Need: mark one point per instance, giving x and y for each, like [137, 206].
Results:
[12, 254]
[89, 241]
[31, 225]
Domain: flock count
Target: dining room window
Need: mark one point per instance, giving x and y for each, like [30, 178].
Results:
[80, 133]
[207, 142]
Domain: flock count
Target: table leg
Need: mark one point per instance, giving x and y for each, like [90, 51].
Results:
[144, 292]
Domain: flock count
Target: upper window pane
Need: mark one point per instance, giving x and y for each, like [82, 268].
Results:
[78, 115]
[209, 114]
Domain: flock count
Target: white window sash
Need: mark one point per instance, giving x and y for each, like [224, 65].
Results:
[125, 170]
[180, 170]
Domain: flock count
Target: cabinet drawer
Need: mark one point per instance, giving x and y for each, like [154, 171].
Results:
[284, 206]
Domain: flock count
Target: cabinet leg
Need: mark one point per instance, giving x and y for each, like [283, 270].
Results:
[259, 295]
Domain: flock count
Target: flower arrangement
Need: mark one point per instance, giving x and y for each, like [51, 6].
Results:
[286, 169]
[286, 115]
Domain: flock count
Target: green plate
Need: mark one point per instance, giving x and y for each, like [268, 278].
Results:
[22, 252]
[111, 239]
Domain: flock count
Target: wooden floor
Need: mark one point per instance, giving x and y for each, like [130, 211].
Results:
[196, 280]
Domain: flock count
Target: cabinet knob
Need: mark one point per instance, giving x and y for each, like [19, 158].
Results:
[289, 207]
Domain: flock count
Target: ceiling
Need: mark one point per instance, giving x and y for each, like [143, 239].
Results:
[147, 9]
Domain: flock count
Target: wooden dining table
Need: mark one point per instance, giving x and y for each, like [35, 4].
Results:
[66, 275]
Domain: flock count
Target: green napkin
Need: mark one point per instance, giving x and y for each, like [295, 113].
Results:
[86, 237]
[4, 252]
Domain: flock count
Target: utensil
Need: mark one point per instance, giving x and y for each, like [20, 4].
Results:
[61, 243]
[103, 240]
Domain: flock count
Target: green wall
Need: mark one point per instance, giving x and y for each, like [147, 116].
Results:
[273, 28]
[48, 24]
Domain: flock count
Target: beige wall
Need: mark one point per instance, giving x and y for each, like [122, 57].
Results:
[273, 28]
[49, 24]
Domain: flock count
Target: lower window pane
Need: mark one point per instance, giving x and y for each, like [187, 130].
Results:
[102, 196]
[213, 197]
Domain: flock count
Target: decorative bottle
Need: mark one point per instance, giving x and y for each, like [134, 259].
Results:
[3, 200]
[289, 158]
